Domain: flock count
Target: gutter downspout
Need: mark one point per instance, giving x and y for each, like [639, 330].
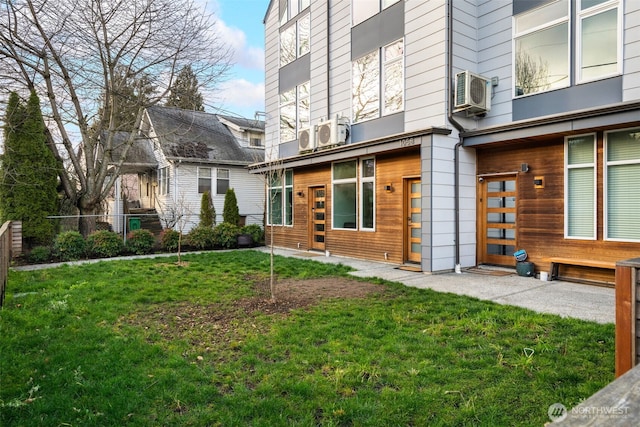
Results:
[459, 128]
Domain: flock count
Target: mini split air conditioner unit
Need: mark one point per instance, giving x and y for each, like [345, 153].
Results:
[307, 140]
[472, 93]
[332, 132]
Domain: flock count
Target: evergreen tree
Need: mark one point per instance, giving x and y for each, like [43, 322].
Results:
[207, 211]
[230, 212]
[28, 172]
[185, 92]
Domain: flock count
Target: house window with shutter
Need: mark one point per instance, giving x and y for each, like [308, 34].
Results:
[580, 187]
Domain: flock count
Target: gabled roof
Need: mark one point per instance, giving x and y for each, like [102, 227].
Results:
[198, 137]
[240, 123]
[139, 157]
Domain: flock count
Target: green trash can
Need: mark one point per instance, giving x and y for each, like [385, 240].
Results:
[134, 223]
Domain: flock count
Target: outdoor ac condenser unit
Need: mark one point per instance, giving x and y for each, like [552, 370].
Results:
[472, 93]
[306, 140]
[332, 132]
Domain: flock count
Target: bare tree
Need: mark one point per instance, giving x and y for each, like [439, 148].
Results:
[78, 55]
[531, 75]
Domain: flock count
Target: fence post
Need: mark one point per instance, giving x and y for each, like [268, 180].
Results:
[627, 278]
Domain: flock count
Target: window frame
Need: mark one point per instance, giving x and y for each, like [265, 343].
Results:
[367, 180]
[200, 176]
[296, 105]
[382, 5]
[590, 12]
[297, 36]
[537, 29]
[593, 165]
[282, 183]
[381, 67]
[606, 165]
[220, 179]
[164, 181]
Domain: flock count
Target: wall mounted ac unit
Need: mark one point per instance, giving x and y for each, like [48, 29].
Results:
[332, 132]
[307, 140]
[472, 93]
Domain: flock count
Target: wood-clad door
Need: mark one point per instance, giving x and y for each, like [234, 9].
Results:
[317, 211]
[413, 225]
[497, 219]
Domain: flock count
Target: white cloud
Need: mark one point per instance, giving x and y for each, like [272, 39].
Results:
[242, 93]
[245, 56]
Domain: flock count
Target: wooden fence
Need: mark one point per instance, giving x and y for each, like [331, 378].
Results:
[10, 246]
[627, 315]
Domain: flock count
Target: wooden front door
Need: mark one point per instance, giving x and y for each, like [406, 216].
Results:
[317, 211]
[413, 220]
[497, 219]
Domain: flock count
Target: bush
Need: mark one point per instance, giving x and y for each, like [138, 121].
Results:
[140, 242]
[201, 237]
[169, 240]
[69, 246]
[226, 235]
[255, 231]
[104, 244]
[207, 211]
[230, 213]
[40, 254]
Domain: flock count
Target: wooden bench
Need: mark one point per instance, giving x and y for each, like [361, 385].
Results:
[580, 262]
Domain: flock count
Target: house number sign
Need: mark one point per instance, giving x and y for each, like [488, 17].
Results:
[407, 142]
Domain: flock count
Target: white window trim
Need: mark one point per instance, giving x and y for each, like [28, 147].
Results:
[218, 178]
[605, 196]
[345, 181]
[595, 10]
[567, 166]
[210, 177]
[283, 194]
[364, 179]
[549, 24]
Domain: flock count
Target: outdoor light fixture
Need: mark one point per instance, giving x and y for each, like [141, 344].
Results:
[388, 188]
[300, 194]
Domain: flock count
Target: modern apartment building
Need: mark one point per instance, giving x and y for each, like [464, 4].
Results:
[446, 134]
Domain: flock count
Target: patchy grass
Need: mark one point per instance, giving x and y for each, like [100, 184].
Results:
[149, 342]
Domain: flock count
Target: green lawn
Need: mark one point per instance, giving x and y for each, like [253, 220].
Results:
[142, 342]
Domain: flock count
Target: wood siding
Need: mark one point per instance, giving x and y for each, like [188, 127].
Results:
[540, 212]
[389, 228]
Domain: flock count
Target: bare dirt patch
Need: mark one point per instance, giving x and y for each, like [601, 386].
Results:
[207, 326]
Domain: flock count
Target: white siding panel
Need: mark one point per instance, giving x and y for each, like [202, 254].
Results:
[631, 80]
[272, 64]
[319, 74]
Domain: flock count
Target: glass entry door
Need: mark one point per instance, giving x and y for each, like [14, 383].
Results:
[317, 210]
[413, 224]
[497, 220]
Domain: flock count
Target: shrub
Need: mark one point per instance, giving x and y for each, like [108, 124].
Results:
[255, 231]
[40, 254]
[169, 239]
[201, 237]
[69, 246]
[140, 242]
[104, 244]
[230, 212]
[226, 235]
[207, 211]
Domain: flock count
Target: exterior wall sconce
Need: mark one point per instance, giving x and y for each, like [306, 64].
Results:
[388, 188]
[300, 194]
[524, 167]
[538, 182]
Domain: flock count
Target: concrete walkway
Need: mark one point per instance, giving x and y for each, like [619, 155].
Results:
[566, 299]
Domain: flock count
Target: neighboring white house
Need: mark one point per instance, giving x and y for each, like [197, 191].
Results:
[193, 152]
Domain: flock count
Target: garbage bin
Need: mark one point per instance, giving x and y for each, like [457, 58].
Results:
[525, 269]
[134, 223]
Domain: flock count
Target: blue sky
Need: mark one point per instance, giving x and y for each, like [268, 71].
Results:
[239, 23]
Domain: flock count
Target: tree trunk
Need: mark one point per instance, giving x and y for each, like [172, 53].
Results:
[87, 220]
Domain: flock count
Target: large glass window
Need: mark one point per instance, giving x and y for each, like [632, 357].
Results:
[367, 193]
[222, 181]
[361, 10]
[371, 94]
[204, 180]
[163, 181]
[295, 40]
[280, 207]
[622, 174]
[345, 194]
[580, 187]
[599, 39]
[351, 190]
[295, 110]
[541, 46]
